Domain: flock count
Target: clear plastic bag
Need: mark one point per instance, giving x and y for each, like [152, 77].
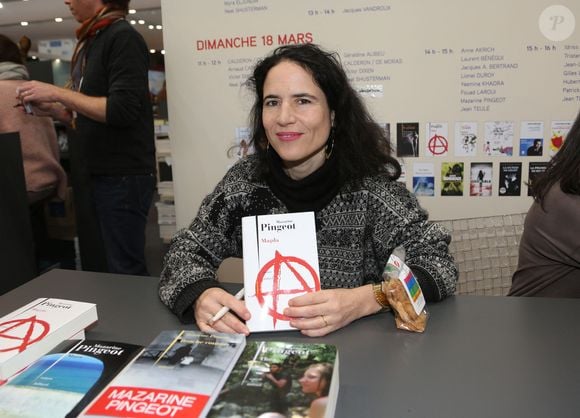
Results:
[404, 293]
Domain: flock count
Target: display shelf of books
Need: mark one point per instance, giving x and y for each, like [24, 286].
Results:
[165, 206]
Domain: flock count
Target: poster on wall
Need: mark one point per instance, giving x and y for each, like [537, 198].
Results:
[481, 179]
[423, 179]
[465, 139]
[452, 179]
[458, 93]
[535, 169]
[499, 138]
[510, 179]
[532, 139]
[408, 139]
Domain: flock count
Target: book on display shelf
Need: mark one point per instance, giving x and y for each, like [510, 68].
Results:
[62, 382]
[36, 328]
[178, 374]
[278, 379]
[280, 259]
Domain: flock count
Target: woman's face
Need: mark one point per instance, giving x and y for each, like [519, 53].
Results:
[296, 118]
[310, 381]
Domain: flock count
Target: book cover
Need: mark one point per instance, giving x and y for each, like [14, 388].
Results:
[480, 183]
[510, 179]
[62, 382]
[178, 375]
[437, 139]
[499, 138]
[36, 328]
[408, 139]
[535, 169]
[280, 263]
[423, 179]
[531, 139]
[465, 139]
[558, 131]
[283, 379]
[452, 179]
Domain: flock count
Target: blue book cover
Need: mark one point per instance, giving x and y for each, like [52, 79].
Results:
[64, 381]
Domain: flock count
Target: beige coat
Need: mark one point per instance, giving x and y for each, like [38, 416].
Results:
[42, 169]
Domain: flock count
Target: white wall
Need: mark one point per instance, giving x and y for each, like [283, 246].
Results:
[409, 58]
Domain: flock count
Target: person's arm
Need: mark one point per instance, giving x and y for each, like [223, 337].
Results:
[402, 222]
[188, 284]
[397, 220]
[62, 101]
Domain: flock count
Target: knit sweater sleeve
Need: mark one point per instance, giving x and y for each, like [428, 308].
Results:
[405, 223]
[196, 252]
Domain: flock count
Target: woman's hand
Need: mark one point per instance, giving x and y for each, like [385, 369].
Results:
[210, 302]
[319, 313]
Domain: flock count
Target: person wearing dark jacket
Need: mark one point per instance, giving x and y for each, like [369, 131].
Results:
[108, 103]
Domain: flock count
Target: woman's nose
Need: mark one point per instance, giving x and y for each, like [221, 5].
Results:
[286, 114]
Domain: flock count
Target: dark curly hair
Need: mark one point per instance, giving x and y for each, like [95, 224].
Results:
[9, 51]
[564, 167]
[361, 146]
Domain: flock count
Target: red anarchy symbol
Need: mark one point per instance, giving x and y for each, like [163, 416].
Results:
[438, 145]
[276, 263]
[9, 331]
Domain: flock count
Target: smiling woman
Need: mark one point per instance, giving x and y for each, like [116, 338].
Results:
[317, 149]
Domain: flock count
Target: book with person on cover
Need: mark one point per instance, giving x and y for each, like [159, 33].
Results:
[36, 328]
[280, 263]
[62, 382]
[281, 378]
[177, 375]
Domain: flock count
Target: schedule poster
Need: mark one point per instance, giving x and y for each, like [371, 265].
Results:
[436, 65]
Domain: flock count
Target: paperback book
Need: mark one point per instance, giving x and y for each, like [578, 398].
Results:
[36, 328]
[62, 382]
[280, 263]
[178, 375]
[281, 378]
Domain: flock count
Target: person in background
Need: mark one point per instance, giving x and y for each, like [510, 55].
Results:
[109, 104]
[316, 381]
[316, 149]
[281, 382]
[43, 173]
[549, 252]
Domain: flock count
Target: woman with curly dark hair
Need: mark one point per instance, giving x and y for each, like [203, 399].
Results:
[317, 149]
[549, 254]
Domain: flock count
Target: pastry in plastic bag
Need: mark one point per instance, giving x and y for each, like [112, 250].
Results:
[404, 294]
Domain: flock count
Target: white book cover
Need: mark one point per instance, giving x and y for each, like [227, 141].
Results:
[36, 328]
[280, 263]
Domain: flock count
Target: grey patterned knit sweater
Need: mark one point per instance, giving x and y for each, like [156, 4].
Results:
[356, 233]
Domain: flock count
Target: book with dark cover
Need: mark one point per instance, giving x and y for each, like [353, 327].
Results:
[290, 379]
[408, 139]
[510, 179]
[62, 382]
[535, 169]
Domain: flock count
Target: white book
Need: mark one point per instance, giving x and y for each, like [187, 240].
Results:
[36, 328]
[280, 263]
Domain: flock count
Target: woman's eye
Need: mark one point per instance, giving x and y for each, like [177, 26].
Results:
[303, 101]
[270, 103]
